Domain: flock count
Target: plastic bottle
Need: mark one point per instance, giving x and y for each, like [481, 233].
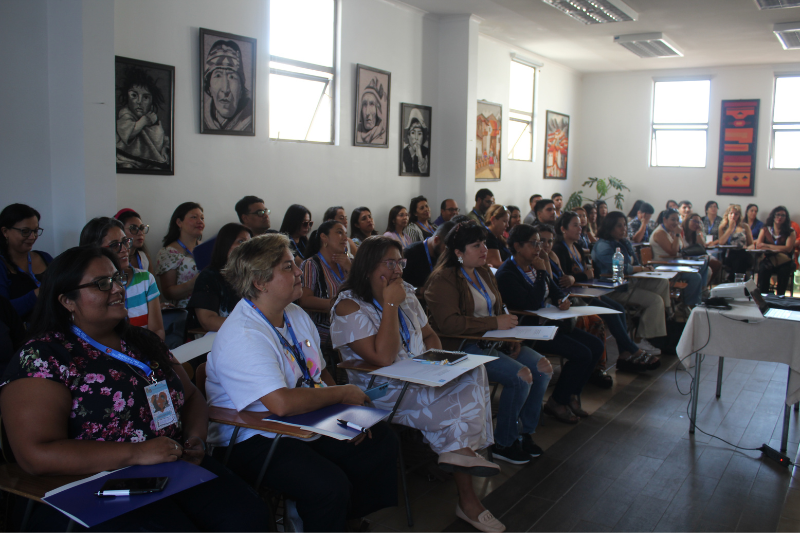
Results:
[618, 269]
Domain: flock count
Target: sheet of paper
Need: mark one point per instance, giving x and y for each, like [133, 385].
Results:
[554, 313]
[190, 350]
[655, 275]
[538, 333]
[432, 375]
[675, 268]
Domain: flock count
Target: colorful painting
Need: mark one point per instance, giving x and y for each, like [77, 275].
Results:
[556, 146]
[737, 148]
[488, 137]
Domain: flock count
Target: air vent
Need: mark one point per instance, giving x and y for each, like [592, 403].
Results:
[777, 4]
[595, 11]
[648, 45]
[788, 34]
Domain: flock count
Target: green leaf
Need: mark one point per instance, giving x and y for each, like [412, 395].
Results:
[618, 199]
[575, 200]
[602, 188]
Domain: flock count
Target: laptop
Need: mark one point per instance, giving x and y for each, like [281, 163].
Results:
[771, 312]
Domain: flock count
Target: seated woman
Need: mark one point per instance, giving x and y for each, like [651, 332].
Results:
[398, 220]
[213, 298]
[338, 214]
[733, 230]
[496, 221]
[778, 237]
[420, 226]
[361, 225]
[583, 239]
[602, 211]
[667, 243]
[378, 319]
[141, 290]
[651, 294]
[324, 272]
[463, 299]
[175, 266]
[752, 220]
[23, 267]
[631, 357]
[525, 284]
[672, 204]
[296, 225]
[514, 218]
[711, 222]
[590, 229]
[73, 406]
[641, 226]
[695, 240]
[266, 357]
[135, 230]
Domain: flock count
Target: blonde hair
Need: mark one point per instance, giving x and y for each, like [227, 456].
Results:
[254, 260]
[724, 224]
[496, 211]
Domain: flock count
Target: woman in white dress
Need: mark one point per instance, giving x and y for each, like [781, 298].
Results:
[378, 319]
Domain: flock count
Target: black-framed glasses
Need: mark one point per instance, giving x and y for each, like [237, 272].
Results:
[135, 230]
[26, 232]
[105, 284]
[261, 212]
[777, 215]
[455, 210]
[391, 264]
[307, 224]
[535, 244]
[117, 245]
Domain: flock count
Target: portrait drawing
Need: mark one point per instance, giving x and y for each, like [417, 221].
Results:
[372, 107]
[415, 134]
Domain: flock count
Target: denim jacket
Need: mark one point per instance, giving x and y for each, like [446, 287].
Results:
[603, 256]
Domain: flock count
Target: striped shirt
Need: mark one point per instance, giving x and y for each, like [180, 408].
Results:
[325, 287]
[140, 291]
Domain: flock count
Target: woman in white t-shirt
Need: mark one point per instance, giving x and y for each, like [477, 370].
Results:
[266, 357]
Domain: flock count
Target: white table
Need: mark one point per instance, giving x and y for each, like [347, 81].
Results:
[742, 333]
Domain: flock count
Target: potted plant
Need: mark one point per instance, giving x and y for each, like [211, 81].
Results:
[604, 187]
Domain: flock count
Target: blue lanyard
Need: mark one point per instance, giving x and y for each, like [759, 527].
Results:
[577, 259]
[556, 271]
[482, 289]
[30, 271]
[524, 275]
[297, 249]
[664, 228]
[139, 260]
[296, 350]
[405, 334]
[427, 253]
[185, 248]
[480, 217]
[340, 277]
[709, 225]
[144, 367]
[427, 228]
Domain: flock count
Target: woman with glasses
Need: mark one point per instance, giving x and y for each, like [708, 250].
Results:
[175, 264]
[398, 220]
[378, 319]
[213, 299]
[591, 228]
[733, 230]
[297, 225]
[778, 237]
[496, 221]
[667, 242]
[361, 225]
[141, 290]
[135, 230]
[76, 401]
[420, 226]
[338, 214]
[23, 267]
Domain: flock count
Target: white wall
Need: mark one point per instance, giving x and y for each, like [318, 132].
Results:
[615, 133]
[558, 89]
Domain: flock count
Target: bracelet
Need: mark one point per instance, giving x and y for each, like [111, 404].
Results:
[201, 442]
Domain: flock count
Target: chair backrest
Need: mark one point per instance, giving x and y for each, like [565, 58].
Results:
[7, 453]
[175, 326]
[200, 378]
[646, 254]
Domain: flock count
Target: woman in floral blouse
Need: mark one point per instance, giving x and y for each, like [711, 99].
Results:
[72, 406]
[175, 266]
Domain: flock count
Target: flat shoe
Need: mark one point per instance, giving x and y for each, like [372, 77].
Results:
[473, 465]
[566, 417]
[486, 521]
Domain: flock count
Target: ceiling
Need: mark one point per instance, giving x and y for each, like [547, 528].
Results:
[708, 32]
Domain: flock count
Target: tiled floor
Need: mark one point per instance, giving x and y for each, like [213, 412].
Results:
[633, 466]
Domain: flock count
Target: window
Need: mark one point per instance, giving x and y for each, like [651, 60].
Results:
[786, 123]
[520, 118]
[680, 123]
[301, 69]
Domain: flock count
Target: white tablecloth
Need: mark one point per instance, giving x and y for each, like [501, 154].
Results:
[743, 333]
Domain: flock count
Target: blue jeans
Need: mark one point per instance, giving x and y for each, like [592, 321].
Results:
[616, 324]
[519, 400]
[582, 351]
[692, 295]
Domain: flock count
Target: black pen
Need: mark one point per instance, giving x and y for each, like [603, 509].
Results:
[350, 425]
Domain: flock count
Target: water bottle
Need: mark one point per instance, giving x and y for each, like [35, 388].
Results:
[618, 269]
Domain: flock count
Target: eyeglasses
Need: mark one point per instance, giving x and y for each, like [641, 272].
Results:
[777, 215]
[26, 232]
[402, 215]
[117, 245]
[308, 224]
[105, 284]
[535, 244]
[453, 209]
[135, 230]
[261, 212]
[391, 264]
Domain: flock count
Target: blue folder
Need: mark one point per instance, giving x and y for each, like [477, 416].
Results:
[324, 421]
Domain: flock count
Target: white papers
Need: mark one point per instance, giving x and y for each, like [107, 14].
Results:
[655, 275]
[709, 238]
[494, 270]
[190, 350]
[537, 333]
[675, 268]
[431, 375]
[554, 313]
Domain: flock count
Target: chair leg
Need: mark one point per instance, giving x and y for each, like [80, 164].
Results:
[71, 526]
[263, 471]
[27, 516]
[230, 446]
[403, 482]
[797, 407]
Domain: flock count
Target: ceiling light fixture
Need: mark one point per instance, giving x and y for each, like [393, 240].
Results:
[777, 4]
[595, 11]
[648, 45]
[788, 34]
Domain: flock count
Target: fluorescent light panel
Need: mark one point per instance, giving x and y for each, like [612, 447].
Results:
[595, 11]
[648, 45]
[788, 34]
[777, 4]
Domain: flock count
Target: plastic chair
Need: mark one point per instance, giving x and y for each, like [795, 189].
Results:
[175, 320]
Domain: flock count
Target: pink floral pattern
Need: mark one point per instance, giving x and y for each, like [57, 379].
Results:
[108, 399]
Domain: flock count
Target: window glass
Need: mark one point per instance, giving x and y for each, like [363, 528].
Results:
[679, 136]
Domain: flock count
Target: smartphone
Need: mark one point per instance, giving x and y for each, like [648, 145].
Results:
[134, 485]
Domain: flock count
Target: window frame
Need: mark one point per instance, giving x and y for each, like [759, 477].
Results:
[333, 81]
[532, 122]
[773, 124]
[676, 126]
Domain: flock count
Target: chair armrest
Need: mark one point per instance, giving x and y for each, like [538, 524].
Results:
[254, 420]
[15, 480]
[360, 366]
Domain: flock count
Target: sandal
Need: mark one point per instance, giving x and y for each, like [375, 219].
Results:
[601, 379]
[641, 362]
[564, 414]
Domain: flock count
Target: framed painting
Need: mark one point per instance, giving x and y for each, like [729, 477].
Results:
[556, 146]
[736, 174]
[145, 117]
[488, 140]
[372, 107]
[415, 134]
[227, 83]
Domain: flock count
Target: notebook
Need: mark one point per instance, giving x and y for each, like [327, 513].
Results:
[440, 357]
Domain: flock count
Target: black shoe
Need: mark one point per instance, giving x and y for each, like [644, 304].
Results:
[530, 447]
[513, 454]
[599, 378]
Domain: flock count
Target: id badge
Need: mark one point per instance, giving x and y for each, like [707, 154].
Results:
[160, 403]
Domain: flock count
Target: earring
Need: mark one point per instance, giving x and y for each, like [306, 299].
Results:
[326, 245]
[461, 260]
[72, 317]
